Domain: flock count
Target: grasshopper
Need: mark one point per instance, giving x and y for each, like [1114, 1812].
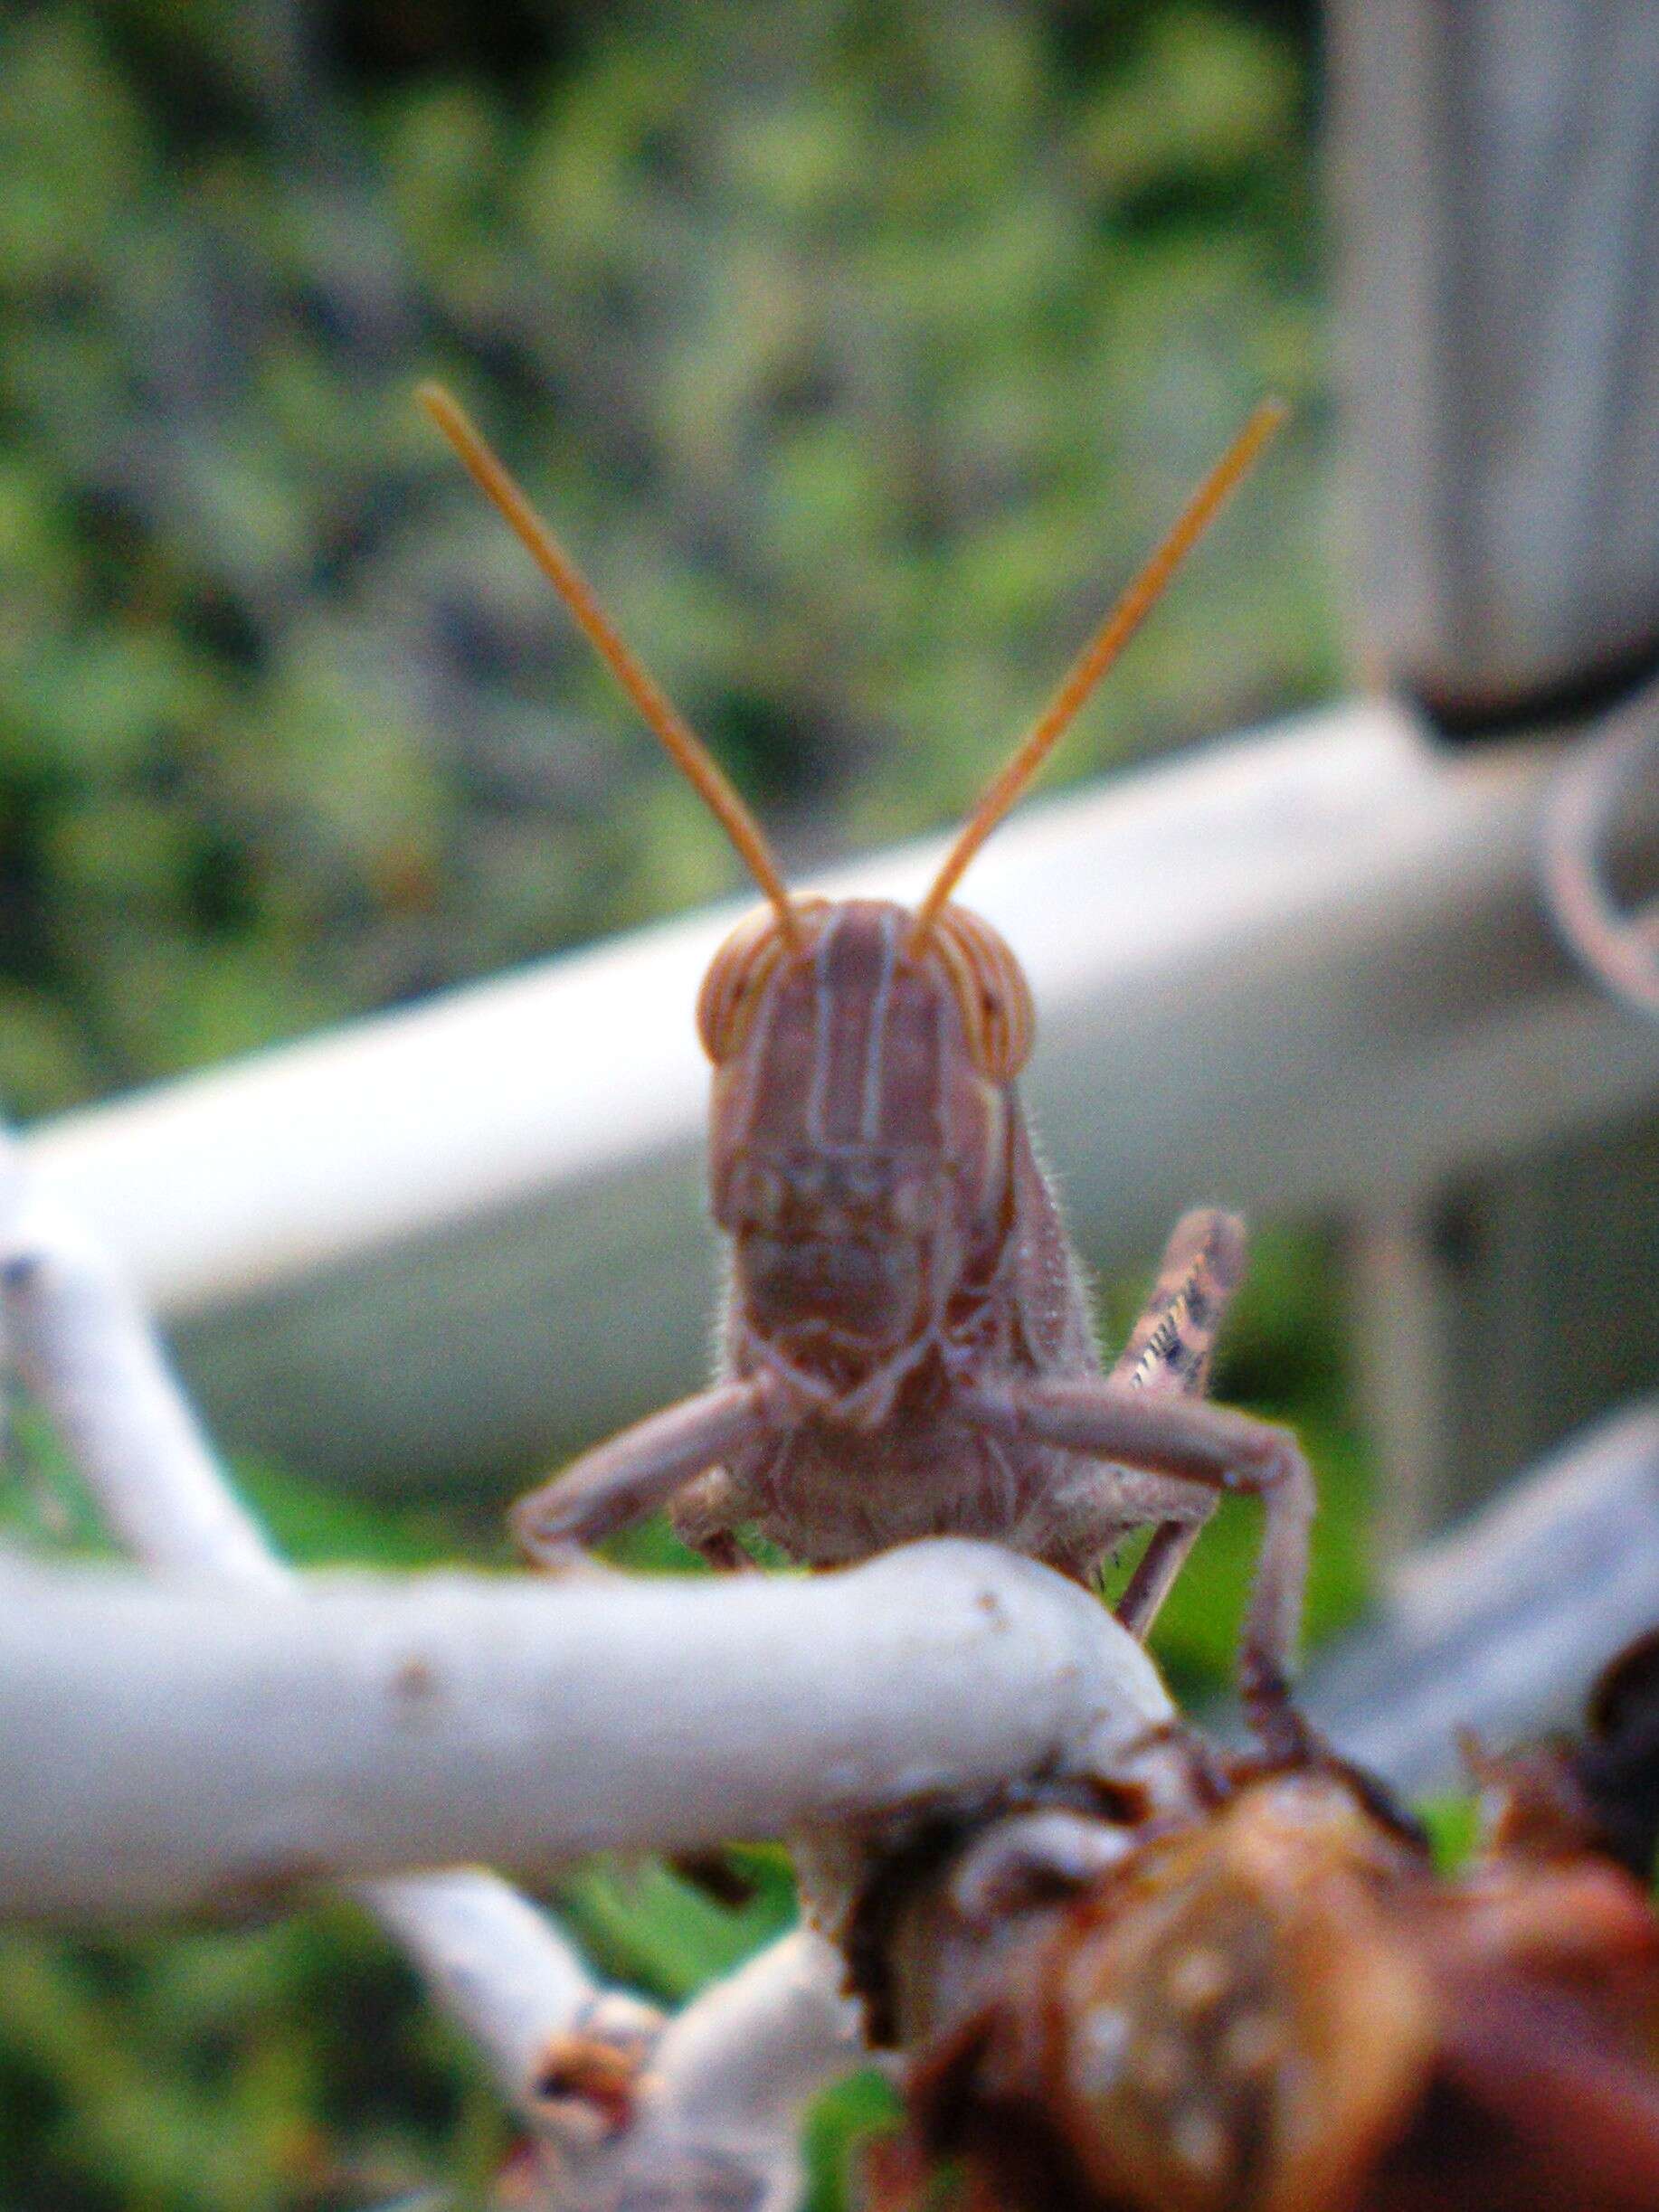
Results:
[908, 1348]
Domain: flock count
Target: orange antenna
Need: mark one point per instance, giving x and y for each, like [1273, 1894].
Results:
[686, 750]
[1108, 642]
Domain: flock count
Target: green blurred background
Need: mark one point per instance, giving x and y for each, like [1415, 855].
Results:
[859, 352]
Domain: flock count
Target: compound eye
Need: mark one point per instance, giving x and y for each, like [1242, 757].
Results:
[731, 990]
[991, 990]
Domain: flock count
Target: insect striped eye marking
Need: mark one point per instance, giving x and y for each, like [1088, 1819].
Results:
[731, 990]
[998, 1017]
[726, 1000]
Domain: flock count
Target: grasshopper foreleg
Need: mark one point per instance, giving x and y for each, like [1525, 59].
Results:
[620, 1481]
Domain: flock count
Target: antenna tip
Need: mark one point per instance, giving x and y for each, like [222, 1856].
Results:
[438, 403]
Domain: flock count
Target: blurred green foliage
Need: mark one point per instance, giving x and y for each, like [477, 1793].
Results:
[859, 352]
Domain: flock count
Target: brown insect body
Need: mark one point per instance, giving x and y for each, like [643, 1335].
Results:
[894, 1240]
[908, 1349]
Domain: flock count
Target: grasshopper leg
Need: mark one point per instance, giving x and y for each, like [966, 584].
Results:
[704, 1515]
[1171, 1348]
[1189, 1448]
[620, 1481]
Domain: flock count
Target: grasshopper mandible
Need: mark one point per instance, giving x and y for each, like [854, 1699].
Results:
[908, 1348]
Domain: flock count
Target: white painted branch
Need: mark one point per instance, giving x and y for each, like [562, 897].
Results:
[85, 1348]
[230, 1742]
[497, 1964]
[1301, 970]
[764, 2038]
[727, 2085]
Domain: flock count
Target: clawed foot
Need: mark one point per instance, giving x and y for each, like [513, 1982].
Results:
[559, 1557]
[1287, 1737]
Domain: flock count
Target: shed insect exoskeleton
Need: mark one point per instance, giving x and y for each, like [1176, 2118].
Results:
[908, 1346]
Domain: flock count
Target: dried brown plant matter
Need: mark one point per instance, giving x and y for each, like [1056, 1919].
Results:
[1232, 1988]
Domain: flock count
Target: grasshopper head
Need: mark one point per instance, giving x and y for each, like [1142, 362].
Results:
[861, 1115]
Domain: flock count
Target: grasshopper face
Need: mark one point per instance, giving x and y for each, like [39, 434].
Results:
[858, 1147]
